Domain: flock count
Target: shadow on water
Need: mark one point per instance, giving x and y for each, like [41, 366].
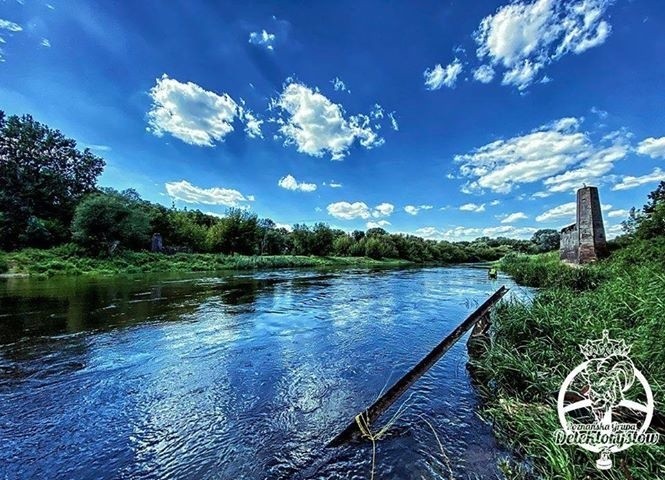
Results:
[235, 376]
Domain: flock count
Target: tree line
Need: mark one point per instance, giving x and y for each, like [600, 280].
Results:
[49, 196]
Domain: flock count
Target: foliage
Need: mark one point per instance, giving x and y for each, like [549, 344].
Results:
[535, 344]
[102, 221]
[546, 240]
[68, 260]
[43, 176]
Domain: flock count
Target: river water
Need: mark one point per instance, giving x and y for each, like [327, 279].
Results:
[237, 376]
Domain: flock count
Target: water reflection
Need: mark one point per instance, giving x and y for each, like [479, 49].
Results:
[238, 376]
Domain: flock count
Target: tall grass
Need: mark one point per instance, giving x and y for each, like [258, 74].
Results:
[69, 260]
[535, 345]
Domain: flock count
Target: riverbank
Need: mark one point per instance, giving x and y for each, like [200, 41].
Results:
[535, 345]
[67, 260]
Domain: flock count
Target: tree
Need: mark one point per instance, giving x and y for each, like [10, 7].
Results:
[652, 222]
[546, 240]
[301, 236]
[237, 232]
[43, 176]
[322, 240]
[104, 221]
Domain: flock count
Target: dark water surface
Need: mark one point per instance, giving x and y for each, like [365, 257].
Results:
[236, 376]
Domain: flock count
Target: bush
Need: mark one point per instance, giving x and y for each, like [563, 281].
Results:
[102, 221]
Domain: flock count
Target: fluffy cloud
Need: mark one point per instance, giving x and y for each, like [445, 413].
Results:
[484, 74]
[263, 39]
[383, 210]
[195, 115]
[654, 147]
[350, 211]
[10, 26]
[559, 154]
[378, 224]
[513, 217]
[469, 233]
[567, 210]
[317, 126]
[523, 37]
[439, 76]
[290, 183]
[186, 192]
[628, 182]
[472, 207]
[617, 213]
[339, 85]
[414, 209]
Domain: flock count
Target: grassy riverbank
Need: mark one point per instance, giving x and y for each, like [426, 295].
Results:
[67, 260]
[534, 346]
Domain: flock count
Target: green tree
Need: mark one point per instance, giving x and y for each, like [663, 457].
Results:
[302, 239]
[322, 240]
[103, 221]
[43, 176]
[546, 240]
[238, 232]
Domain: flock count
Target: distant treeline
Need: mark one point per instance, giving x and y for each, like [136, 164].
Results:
[49, 196]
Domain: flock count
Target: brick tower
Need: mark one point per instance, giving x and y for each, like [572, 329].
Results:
[592, 243]
[584, 241]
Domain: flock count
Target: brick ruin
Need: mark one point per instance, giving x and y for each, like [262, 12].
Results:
[584, 241]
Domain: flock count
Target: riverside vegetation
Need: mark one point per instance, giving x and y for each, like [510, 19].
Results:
[534, 346]
[55, 219]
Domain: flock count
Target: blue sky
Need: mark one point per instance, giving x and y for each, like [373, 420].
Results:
[449, 119]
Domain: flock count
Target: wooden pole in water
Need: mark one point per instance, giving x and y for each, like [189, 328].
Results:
[403, 384]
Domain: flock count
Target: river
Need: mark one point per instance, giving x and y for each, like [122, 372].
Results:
[237, 376]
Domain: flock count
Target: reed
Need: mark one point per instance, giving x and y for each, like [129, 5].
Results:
[534, 346]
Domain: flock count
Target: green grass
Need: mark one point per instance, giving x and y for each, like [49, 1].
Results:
[68, 260]
[535, 345]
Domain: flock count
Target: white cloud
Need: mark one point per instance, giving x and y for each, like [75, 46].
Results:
[252, 124]
[617, 213]
[195, 115]
[285, 226]
[335, 185]
[317, 126]
[10, 26]
[186, 192]
[383, 210]
[350, 211]
[654, 147]
[290, 183]
[378, 224]
[393, 121]
[494, 203]
[547, 153]
[472, 207]
[263, 39]
[339, 85]
[513, 217]
[45, 43]
[628, 182]
[484, 74]
[614, 231]
[567, 210]
[525, 36]
[439, 76]
[414, 209]
[469, 233]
